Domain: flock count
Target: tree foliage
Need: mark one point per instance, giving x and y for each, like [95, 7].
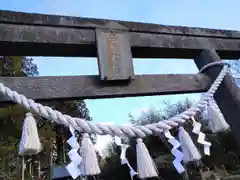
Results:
[157, 145]
[224, 154]
[235, 66]
[12, 116]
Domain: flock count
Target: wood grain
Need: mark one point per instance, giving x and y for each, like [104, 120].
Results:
[92, 23]
[29, 40]
[114, 56]
[228, 94]
[90, 87]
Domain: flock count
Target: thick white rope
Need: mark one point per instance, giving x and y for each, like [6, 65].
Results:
[82, 125]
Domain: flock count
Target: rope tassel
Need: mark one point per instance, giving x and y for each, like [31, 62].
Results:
[30, 143]
[216, 120]
[189, 150]
[89, 165]
[145, 165]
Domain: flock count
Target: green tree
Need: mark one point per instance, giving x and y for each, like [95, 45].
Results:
[223, 152]
[157, 145]
[12, 117]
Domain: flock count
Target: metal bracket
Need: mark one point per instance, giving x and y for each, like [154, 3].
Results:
[114, 55]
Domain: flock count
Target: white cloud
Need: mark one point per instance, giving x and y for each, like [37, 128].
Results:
[101, 144]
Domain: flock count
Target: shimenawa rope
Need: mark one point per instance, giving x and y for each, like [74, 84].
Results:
[84, 126]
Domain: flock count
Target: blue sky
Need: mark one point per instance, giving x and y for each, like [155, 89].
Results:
[220, 14]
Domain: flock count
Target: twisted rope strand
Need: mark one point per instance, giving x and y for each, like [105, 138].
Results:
[82, 125]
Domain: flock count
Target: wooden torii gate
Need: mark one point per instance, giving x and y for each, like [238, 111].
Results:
[115, 43]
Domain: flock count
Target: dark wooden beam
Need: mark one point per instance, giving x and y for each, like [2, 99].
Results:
[228, 94]
[80, 22]
[52, 41]
[90, 87]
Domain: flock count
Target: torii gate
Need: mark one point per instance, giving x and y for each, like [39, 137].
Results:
[115, 43]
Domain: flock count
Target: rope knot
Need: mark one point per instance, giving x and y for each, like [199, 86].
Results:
[139, 140]
[85, 135]
[181, 128]
[28, 114]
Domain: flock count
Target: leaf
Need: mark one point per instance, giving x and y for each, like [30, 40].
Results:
[17, 62]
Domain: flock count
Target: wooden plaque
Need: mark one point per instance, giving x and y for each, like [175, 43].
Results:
[114, 55]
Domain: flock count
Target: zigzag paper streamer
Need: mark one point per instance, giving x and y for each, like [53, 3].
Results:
[201, 136]
[124, 160]
[176, 152]
[74, 156]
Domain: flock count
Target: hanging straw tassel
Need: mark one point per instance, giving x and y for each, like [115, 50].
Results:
[189, 150]
[30, 143]
[216, 120]
[89, 165]
[145, 165]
